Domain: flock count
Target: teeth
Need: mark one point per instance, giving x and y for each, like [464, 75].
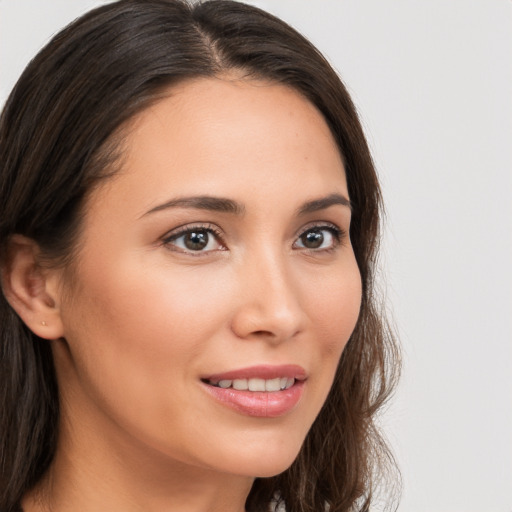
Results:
[240, 384]
[271, 385]
[256, 385]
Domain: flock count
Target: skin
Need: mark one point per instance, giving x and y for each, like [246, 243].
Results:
[144, 318]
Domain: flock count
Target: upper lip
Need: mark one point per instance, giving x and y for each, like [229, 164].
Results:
[292, 371]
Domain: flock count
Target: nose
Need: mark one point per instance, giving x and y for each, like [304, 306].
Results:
[269, 302]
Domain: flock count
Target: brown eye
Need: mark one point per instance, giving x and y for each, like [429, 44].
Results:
[194, 240]
[319, 238]
[312, 239]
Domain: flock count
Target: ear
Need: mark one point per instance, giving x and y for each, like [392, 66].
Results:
[31, 289]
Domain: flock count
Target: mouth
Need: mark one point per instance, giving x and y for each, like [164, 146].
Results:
[254, 384]
[259, 391]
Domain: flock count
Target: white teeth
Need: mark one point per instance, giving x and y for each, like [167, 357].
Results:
[256, 384]
[271, 385]
[240, 384]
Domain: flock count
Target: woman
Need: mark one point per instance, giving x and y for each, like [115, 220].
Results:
[188, 231]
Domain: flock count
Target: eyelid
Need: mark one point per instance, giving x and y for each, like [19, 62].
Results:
[166, 240]
[319, 225]
[182, 230]
[338, 232]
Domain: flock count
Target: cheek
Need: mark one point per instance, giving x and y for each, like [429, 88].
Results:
[135, 318]
[335, 306]
[133, 337]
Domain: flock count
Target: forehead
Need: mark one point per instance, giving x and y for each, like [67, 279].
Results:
[220, 119]
[228, 137]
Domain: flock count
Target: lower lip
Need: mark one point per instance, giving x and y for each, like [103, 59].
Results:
[260, 404]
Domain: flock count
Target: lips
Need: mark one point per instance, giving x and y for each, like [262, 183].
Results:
[292, 371]
[255, 384]
[259, 391]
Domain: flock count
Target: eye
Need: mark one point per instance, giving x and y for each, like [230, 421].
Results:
[318, 238]
[197, 239]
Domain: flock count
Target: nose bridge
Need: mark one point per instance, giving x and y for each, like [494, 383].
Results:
[270, 302]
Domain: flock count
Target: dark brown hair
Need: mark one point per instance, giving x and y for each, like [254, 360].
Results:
[58, 138]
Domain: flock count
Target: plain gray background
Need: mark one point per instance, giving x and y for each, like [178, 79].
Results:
[433, 82]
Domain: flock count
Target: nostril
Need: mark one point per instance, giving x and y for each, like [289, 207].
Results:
[263, 333]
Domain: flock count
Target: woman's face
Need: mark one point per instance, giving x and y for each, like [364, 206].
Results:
[217, 260]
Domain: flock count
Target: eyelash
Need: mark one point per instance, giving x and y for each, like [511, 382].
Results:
[337, 233]
[208, 228]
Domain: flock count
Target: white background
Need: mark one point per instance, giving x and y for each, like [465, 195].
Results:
[433, 82]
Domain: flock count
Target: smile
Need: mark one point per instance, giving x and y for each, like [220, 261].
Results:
[255, 384]
[260, 391]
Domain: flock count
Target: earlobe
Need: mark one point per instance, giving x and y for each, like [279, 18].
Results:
[26, 287]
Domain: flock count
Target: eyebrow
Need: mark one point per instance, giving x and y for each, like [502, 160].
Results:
[224, 205]
[323, 203]
[216, 204]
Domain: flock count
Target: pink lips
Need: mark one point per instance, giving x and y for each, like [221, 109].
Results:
[266, 404]
[262, 372]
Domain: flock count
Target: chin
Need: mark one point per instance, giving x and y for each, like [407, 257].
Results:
[269, 472]
[265, 463]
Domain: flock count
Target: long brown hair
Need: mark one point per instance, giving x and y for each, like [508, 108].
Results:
[59, 135]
